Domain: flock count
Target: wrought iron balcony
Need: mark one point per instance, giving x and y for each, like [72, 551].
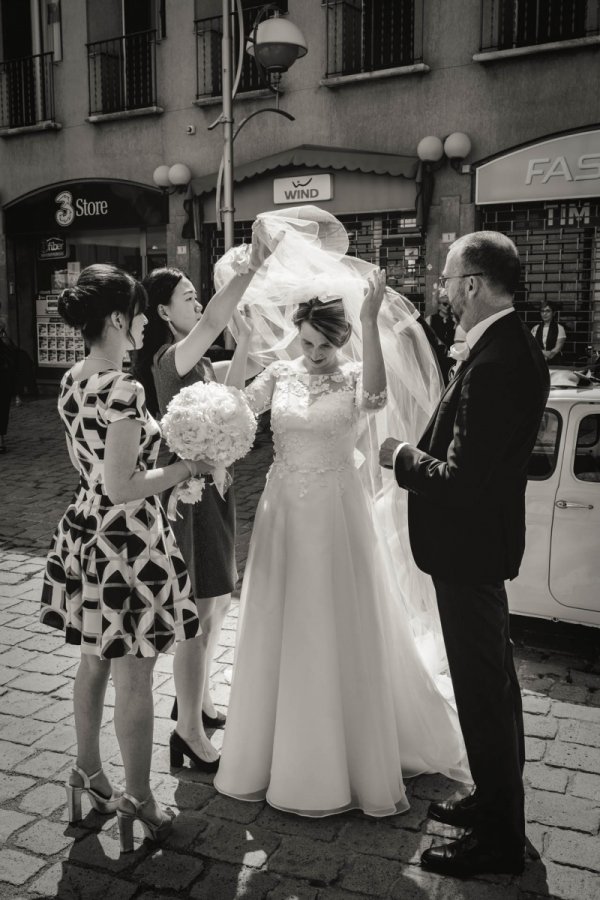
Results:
[27, 91]
[122, 73]
[369, 35]
[508, 24]
[209, 33]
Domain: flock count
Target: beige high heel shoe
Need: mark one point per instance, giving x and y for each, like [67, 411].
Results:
[155, 831]
[80, 782]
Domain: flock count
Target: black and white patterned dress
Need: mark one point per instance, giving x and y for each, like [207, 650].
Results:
[115, 580]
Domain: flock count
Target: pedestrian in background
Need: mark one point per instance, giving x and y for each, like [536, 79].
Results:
[8, 371]
[549, 333]
[115, 581]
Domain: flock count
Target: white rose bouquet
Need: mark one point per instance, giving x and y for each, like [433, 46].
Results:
[210, 421]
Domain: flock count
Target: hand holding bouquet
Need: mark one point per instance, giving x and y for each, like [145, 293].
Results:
[209, 421]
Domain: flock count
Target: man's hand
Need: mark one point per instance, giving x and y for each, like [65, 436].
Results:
[386, 452]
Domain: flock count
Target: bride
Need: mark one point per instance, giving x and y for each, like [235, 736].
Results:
[334, 699]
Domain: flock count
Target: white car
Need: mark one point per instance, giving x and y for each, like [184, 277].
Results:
[560, 573]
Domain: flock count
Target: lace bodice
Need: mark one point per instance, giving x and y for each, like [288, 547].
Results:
[314, 417]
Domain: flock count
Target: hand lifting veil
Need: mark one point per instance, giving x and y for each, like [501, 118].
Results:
[308, 248]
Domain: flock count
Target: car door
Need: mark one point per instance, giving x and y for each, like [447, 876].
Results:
[575, 543]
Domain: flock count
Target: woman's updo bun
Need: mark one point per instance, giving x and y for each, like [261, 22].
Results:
[328, 317]
[101, 289]
[72, 307]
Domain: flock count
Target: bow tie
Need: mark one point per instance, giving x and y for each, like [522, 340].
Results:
[459, 351]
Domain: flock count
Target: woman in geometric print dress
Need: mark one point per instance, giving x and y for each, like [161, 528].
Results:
[115, 580]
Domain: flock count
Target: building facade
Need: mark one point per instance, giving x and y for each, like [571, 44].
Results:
[94, 97]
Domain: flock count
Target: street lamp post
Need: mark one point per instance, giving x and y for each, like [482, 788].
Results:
[275, 43]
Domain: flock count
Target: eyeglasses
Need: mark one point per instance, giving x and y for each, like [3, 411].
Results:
[442, 279]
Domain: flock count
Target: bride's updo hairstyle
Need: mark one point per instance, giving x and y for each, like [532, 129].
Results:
[101, 289]
[327, 317]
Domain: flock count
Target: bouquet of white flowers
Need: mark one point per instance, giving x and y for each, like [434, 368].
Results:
[210, 421]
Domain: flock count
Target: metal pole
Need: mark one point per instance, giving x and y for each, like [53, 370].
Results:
[228, 208]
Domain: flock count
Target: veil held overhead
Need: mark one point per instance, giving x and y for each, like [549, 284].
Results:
[305, 257]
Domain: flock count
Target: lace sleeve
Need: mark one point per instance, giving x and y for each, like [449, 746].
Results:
[365, 400]
[260, 392]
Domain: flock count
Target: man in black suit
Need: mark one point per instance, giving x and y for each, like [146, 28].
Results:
[466, 481]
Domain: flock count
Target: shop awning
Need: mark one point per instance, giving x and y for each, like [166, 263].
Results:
[317, 157]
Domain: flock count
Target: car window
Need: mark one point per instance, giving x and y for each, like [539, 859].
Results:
[545, 452]
[587, 449]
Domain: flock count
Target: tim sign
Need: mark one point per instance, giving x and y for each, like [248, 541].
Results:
[565, 167]
[302, 188]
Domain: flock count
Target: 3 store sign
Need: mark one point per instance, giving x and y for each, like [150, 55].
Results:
[68, 210]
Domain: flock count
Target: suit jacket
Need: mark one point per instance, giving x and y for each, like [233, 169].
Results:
[467, 476]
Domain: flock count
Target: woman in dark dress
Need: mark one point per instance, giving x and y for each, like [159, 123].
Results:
[115, 581]
[173, 356]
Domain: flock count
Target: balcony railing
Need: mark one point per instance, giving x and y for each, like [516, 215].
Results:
[507, 24]
[368, 35]
[122, 73]
[209, 33]
[27, 91]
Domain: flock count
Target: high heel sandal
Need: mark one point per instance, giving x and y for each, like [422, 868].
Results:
[178, 748]
[154, 831]
[102, 804]
[217, 721]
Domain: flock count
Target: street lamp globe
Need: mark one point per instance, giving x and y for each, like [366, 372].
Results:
[180, 175]
[430, 149]
[276, 44]
[160, 177]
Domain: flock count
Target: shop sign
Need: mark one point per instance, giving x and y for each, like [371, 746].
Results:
[562, 168]
[302, 188]
[52, 248]
[87, 205]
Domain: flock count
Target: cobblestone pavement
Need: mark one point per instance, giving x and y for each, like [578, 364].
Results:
[219, 848]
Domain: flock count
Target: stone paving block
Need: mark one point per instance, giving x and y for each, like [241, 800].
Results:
[187, 828]
[44, 799]
[573, 849]
[298, 890]
[573, 756]
[13, 577]
[43, 765]
[536, 704]
[56, 712]
[11, 821]
[537, 726]
[417, 884]
[570, 693]
[366, 875]
[315, 861]
[546, 778]
[234, 843]
[226, 808]
[226, 882]
[590, 680]
[16, 867]
[38, 683]
[62, 737]
[22, 731]
[578, 732]
[534, 749]
[101, 851]
[22, 703]
[70, 882]
[585, 785]
[164, 869]
[48, 664]
[280, 822]
[45, 838]
[7, 675]
[562, 811]
[11, 754]
[17, 657]
[381, 839]
[563, 882]
[13, 785]
[183, 794]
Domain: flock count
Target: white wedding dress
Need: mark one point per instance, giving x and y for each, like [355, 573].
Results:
[331, 705]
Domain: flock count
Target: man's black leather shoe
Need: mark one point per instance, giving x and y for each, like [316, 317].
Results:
[468, 856]
[460, 813]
